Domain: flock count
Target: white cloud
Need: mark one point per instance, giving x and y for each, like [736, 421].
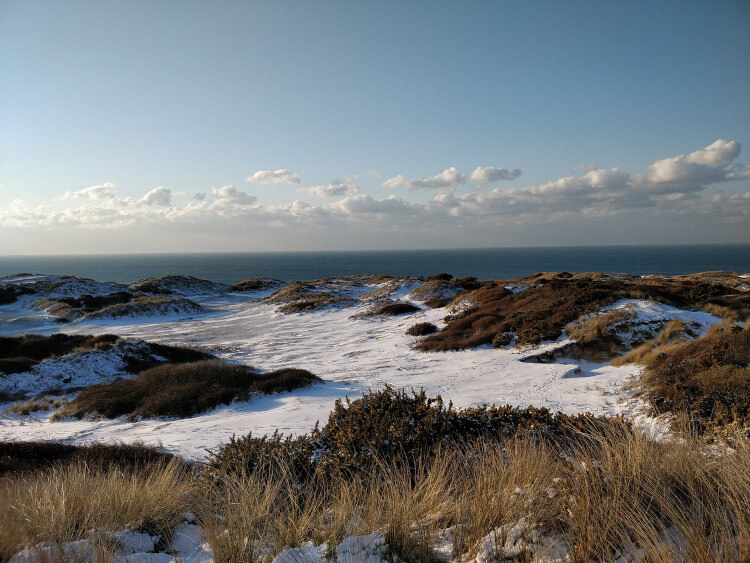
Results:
[691, 172]
[103, 191]
[283, 176]
[336, 188]
[448, 178]
[158, 196]
[231, 195]
[491, 174]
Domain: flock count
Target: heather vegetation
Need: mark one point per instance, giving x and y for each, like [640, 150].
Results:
[709, 378]
[421, 329]
[181, 390]
[551, 302]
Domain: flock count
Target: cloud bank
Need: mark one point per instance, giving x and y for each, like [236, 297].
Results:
[704, 188]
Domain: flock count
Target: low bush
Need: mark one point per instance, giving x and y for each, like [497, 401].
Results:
[181, 390]
[397, 426]
[393, 309]
[421, 329]
[708, 377]
[256, 284]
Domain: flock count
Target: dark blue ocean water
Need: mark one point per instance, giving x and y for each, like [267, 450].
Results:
[483, 263]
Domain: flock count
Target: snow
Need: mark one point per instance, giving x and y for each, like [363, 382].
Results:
[73, 371]
[52, 287]
[352, 355]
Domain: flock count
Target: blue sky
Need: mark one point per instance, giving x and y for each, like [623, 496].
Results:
[193, 97]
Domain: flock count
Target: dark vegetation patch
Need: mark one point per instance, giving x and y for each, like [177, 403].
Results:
[10, 294]
[182, 390]
[421, 329]
[396, 426]
[393, 309]
[708, 378]
[90, 303]
[543, 310]
[29, 457]
[256, 284]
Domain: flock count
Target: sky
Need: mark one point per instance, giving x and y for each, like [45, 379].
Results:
[179, 126]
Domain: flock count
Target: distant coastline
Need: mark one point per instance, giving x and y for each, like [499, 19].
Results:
[483, 263]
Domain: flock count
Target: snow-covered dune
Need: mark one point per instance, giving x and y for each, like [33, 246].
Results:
[351, 353]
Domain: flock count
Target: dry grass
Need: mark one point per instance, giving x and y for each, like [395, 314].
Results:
[723, 312]
[602, 496]
[600, 325]
[181, 390]
[67, 502]
[45, 403]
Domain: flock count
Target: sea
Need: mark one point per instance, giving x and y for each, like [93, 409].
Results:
[482, 263]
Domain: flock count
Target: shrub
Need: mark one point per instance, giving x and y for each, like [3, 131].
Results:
[256, 284]
[181, 390]
[393, 309]
[708, 377]
[421, 329]
[398, 427]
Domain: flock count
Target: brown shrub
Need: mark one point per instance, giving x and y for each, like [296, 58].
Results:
[393, 309]
[542, 311]
[255, 284]
[181, 390]
[421, 329]
[708, 377]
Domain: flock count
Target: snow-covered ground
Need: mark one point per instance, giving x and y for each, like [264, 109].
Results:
[350, 352]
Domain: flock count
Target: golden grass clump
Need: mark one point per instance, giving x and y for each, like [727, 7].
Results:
[67, 502]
